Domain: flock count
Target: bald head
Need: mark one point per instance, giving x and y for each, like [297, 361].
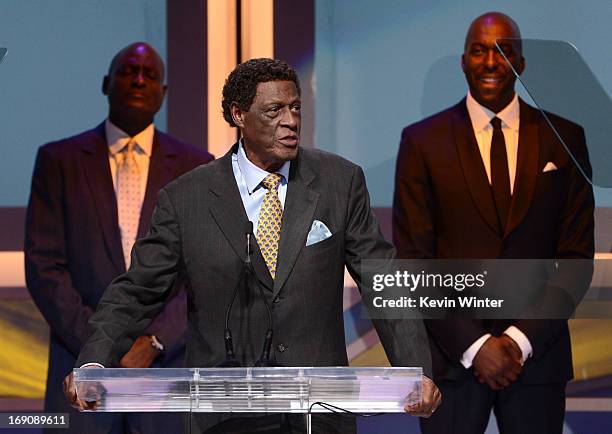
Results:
[489, 73]
[491, 20]
[134, 87]
[137, 48]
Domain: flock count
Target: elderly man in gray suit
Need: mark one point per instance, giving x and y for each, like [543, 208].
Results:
[311, 216]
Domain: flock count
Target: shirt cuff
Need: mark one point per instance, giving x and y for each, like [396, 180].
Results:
[92, 365]
[156, 343]
[470, 353]
[521, 340]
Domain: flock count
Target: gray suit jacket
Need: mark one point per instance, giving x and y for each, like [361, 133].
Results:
[198, 226]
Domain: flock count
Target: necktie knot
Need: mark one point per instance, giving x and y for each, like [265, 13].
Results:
[496, 123]
[129, 147]
[271, 181]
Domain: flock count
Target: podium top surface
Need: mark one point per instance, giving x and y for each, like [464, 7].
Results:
[254, 390]
[337, 372]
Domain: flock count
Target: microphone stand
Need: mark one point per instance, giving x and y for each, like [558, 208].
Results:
[247, 270]
[230, 357]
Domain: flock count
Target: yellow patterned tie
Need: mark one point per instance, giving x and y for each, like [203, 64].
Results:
[128, 199]
[269, 225]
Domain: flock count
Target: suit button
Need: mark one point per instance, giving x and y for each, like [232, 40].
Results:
[281, 347]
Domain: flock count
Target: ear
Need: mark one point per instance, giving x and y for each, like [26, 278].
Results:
[164, 89]
[463, 62]
[105, 83]
[237, 115]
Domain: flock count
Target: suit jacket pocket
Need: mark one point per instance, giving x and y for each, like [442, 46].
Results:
[551, 190]
[553, 179]
[322, 247]
[552, 173]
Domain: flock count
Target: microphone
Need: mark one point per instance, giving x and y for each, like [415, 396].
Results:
[230, 357]
[247, 268]
[264, 360]
[249, 231]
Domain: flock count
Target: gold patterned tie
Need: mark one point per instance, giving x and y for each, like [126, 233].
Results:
[269, 225]
[128, 199]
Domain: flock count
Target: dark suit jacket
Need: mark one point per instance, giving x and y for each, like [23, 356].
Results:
[198, 226]
[444, 208]
[73, 244]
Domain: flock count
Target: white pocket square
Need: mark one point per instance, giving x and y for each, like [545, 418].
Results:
[318, 232]
[550, 166]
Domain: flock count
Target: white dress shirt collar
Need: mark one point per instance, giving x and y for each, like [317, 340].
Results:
[116, 138]
[253, 175]
[481, 116]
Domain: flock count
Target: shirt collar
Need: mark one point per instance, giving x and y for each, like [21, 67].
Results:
[116, 138]
[481, 116]
[253, 175]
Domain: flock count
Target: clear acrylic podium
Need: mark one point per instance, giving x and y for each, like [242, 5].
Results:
[251, 390]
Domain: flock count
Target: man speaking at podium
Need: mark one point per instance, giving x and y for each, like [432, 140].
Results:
[310, 216]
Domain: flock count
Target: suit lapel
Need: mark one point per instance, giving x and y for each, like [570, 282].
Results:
[473, 167]
[228, 212]
[527, 166]
[100, 183]
[161, 172]
[300, 205]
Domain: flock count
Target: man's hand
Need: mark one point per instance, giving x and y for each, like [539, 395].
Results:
[141, 355]
[498, 362]
[512, 348]
[430, 400]
[71, 394]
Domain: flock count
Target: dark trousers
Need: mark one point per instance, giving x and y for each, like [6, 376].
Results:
[519, 408]
[269, 424]
[278, 424]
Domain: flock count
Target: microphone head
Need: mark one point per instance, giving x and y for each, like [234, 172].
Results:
[265, 360]
[248, 229]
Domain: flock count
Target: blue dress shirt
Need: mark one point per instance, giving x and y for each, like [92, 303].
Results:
[248, 177]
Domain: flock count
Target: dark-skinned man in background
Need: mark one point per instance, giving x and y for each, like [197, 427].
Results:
[486, 179]
[92, 195]
[311, 216]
